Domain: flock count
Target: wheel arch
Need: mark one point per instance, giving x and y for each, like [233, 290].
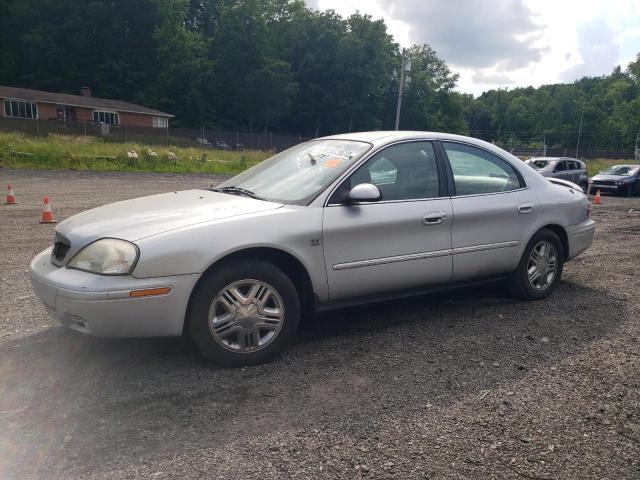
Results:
[562, 234]
[285, 261]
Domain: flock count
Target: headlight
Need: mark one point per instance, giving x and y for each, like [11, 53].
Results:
[108, 256]
[620, 182]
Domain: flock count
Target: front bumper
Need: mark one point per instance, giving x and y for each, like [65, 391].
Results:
[101, 306]
[580, 237]
[607, 188]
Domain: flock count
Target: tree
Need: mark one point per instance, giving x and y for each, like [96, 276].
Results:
[429, 102]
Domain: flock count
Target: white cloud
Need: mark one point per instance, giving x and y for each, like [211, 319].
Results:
[469, 36]
[511, 43]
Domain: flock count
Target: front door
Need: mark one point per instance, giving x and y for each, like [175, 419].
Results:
[402, 241]
[493, 213]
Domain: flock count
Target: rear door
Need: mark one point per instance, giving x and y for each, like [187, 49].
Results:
[493, 212]
[562, 171]
[574, 171]
[400, 242]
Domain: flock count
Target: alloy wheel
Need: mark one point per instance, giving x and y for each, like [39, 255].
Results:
[246, 316]
[542, 266]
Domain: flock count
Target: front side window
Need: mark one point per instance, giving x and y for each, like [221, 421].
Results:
[20, 109]
[476, 171]
[300, 173]
[407, 171]
[106, 118]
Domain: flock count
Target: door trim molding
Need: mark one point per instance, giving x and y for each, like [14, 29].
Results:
[398, 258]
[486, 246]
[424, 255]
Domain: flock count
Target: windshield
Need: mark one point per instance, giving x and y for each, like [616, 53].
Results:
[539, 164]
[297, 175]
[624, 170]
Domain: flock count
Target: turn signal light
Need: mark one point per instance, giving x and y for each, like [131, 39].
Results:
[149, 292]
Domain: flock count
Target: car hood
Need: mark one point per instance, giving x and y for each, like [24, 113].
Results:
[146, 216]
[601, 176]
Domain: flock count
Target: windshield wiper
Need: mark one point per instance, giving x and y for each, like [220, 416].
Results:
[233, 189]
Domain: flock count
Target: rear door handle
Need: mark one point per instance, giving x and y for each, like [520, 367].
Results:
[434, 218]
[526, 207]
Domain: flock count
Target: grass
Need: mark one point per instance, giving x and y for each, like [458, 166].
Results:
[61, 152]
[596, 165]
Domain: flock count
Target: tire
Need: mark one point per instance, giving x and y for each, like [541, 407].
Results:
[585, 187]
[519, 284]
[236, 329]
[627, 192]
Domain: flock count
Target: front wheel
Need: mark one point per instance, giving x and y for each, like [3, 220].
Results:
[540, 267]
[244, 313]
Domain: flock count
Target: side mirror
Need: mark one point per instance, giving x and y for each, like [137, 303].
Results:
[364, 192]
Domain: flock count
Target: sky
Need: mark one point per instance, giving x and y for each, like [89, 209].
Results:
[511, 43]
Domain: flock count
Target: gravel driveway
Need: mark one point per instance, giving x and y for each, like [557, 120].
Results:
[471, 384]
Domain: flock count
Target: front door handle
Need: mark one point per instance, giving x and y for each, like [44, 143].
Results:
[434, 218]
[526, 207]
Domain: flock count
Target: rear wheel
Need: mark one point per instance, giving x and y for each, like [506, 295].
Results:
[244, 313]
[585, 187]
[540, 267]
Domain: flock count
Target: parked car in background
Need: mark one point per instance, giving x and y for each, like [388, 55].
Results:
[564, 168]
[336, 221]
[203, 142]
[222, 145]
[621, 179]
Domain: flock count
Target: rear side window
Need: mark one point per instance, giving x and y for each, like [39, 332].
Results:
[476, 171]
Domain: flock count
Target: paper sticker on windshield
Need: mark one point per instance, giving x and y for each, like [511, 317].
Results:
[332, 163]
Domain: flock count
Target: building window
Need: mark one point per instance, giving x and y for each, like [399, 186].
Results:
[106, 118]
[160, 122]
[20, 109]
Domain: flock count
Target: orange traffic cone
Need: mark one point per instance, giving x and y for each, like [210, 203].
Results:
[598, 199]
[47, 214]
[11, 197]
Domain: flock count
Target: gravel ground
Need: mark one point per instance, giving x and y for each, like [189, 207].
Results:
[469, 384]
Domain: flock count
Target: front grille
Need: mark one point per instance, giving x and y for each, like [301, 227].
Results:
[603, 182]
[60, 250]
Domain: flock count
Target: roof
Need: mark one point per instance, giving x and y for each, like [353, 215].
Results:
[382, 138]
[77, 101]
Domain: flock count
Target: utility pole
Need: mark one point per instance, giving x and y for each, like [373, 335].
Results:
[579, 132]
[404, 68]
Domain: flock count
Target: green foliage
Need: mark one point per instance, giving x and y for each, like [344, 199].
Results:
[609, 107]
[263, 65]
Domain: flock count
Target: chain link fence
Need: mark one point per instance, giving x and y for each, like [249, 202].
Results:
[201, 138]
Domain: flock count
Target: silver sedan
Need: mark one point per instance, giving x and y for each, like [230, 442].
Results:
[336, 221]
